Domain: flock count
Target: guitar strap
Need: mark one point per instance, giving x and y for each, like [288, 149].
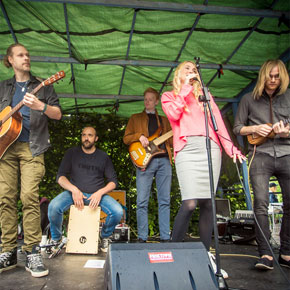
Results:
[271, 105]
[158, 121]
[271, 111]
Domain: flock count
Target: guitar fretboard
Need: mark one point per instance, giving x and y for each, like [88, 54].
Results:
[163, 138]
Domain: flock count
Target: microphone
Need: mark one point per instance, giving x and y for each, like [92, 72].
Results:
[197, 59]
[192, 77]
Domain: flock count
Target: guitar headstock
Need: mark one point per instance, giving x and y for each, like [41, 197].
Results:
[54, 78]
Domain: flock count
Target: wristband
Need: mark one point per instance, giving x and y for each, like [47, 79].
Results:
[45, 107]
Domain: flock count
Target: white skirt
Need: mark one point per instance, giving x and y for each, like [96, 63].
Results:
[192, 168]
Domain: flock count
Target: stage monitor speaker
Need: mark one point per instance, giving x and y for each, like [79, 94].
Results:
[158, 266]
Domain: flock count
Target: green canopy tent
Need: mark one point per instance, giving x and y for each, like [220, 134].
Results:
[111, 51]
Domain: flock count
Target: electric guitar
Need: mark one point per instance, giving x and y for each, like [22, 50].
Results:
[256, 139]
[141, 156]
[11, 119]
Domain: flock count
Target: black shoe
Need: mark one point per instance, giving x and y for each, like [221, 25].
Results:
[264, 264]
[164, 241]
[8, 260]
[34, 263]
[283, 262]
[141, 241]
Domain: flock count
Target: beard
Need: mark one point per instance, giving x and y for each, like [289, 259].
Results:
[87, 144]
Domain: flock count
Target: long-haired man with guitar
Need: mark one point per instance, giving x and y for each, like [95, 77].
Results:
[263, 115]
[141, 134]
[24, 138]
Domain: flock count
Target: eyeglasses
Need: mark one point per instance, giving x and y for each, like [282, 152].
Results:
[276, 77]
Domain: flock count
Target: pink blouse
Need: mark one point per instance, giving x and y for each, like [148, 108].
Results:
[186, 117]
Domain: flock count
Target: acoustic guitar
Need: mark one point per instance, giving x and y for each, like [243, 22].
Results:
[11, 119]
[256, 139]
[141, 156]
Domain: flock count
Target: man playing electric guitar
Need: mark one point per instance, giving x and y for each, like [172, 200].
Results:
[24, 160]
[140, 126]
[269, 103]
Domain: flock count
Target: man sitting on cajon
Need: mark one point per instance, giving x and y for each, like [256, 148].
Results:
[82, 174]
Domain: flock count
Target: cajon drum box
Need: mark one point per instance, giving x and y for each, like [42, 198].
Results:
[120, 196]
[83, 230]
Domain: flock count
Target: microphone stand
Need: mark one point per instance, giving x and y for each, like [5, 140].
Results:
[207, 106]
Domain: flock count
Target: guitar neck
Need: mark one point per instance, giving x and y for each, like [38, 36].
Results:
[163, 138]
[20, 104]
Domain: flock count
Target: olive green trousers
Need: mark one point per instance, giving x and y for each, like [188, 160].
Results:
[20, 172]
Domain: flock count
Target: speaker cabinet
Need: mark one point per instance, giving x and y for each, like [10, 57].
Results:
[168, 266]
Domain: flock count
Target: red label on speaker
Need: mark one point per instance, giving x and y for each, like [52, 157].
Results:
[160, 257]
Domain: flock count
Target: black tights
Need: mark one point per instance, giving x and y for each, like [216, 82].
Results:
[205, 224]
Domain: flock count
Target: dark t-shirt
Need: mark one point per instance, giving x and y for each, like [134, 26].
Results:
[87, 172]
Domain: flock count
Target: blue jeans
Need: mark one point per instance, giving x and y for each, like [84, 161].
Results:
[161, 169]
[263, 167]
[272, 198]
[62, 203]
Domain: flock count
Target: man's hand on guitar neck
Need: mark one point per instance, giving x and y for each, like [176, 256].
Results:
[144, 141]
[282, 130]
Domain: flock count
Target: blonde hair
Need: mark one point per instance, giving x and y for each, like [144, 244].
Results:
[9, 52]
[177, 82]
[153, 91]
[264, 75]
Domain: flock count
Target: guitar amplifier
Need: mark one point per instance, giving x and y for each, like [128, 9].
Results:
[242, 227]
[244, 215]
[121, 233]
[223, 215]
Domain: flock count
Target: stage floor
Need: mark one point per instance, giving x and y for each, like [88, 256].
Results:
[67, 272]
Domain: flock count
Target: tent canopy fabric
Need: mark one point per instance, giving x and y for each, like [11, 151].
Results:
[111, 51]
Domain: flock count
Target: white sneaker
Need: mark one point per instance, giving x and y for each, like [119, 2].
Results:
[213, 264]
